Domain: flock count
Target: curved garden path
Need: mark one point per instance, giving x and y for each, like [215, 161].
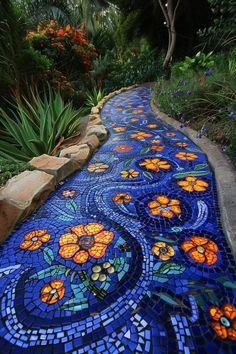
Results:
[128, 255]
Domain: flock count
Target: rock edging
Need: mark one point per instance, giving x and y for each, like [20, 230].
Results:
[224, 173]
[25, 192]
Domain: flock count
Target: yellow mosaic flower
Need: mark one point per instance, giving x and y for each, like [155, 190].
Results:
[191, 184]
[97, 167]
[163, 250]
[34, 240]
[131, 173]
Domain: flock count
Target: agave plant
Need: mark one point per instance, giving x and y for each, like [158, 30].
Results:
[93, 97]
[34, 128]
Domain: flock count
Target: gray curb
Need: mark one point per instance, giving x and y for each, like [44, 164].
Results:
[224, 174]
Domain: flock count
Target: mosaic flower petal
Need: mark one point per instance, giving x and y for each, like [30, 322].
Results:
[98, 250]
[220, 330]
[26, 244]
[35, 233]
[35, 246]
[211, 257]
[69, 250]
[67, 239]
[230, 311]
[79, 230]
[81, 257]
[104, 237]
[93, 228]
[215, 313]
[198, 257]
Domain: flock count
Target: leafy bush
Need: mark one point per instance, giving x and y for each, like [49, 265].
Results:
[198, 63]
[9, 169]
[209, 105]
[36, 127]
[93, 97]
[15, 52]
[135, 67]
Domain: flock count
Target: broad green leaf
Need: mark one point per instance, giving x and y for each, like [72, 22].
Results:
[168, 298]
[171, 268]
[48, 255]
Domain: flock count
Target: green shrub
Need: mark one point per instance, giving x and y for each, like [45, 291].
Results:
[93, 97]
[36, 127]
[8, 169]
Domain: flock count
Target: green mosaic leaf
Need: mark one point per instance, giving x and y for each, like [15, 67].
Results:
[148, 175]
[65, 218]
[128, 163]
[144, 150]
[48, 255]
[49, 272]
[190, 173]
[201, 166]
[71, 205]
[171, 268]
[169, 299]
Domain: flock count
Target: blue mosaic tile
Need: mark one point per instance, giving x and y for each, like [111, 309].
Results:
[128, 255]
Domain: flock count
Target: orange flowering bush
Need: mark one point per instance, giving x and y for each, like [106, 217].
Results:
[67, 48]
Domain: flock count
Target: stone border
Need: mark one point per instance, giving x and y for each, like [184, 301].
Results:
[25, 192]
[224, 173]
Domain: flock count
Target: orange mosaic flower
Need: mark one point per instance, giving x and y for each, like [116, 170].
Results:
[52, 292]
[119, 129]
[152, 126]
[131, 173]
[121, 198]
[164, 206]
[157, 148]
[191, 184]
[201, 249]
[170, 134]
[182, 144]
[137, 111]
[224, 321]
[68, 193]
[133, 120]
[34, 240]
[186, 156]
[123, 148]
[155, 164]
[85, 241]
[163, 250]
[156, 141]
[140, 135]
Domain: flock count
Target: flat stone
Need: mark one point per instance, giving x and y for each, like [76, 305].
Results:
[60, 167]
[96, 121]
[78, 153]
[99, 130]
[92, 141]
[94, 110]
[21, 196]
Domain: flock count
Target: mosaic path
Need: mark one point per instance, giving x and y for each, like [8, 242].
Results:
[127, 256]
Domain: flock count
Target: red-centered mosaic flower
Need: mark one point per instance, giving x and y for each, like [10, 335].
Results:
[121, 198]
[157, 148]
[34, 240]
[201, 249]
[191, 184]
[170, 134]
[85, 241]
[155, 164]
[163, 250]
[186, 156]
[140, 135]
[119, 129]
[224, 321]
[123, 148]
[182, 144]
[68, 193]
[52, 292]
[164, 206]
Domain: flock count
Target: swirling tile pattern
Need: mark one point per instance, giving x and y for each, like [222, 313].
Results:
[128, 255]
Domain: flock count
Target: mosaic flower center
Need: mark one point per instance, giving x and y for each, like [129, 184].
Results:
[200, 249]
[53, 291]
[225, 322]
[163, 250]
[86, 242]
[34, 239]
[167, 208]
[192, 183]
